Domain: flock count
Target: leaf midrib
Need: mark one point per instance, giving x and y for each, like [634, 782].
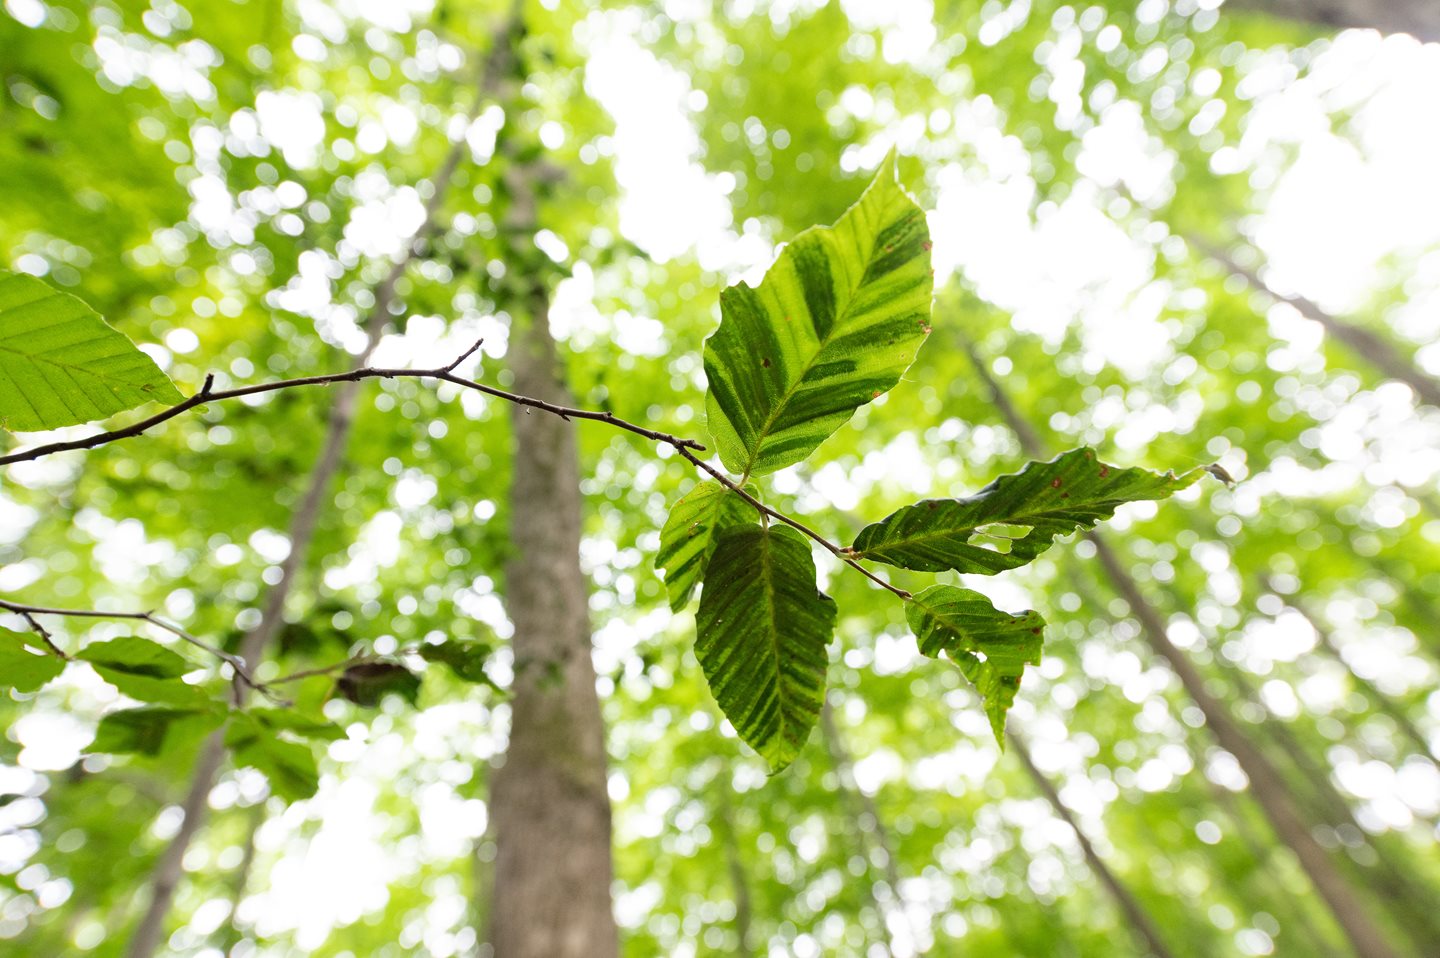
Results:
[1018, 519]
[769, 579]
[810, 364]
[36, 359]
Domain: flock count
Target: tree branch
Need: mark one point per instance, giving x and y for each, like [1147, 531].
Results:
[685, 447]
[28, 613]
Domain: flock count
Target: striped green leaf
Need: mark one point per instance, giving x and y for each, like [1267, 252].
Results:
[834, 324]
[991, 647]
[1015, 518]
[61, 364]
[688, 540]
[762, 631]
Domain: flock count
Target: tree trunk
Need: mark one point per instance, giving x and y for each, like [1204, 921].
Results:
[1419, 18]
[1378, 700]
[1266, 784]
[549, 800]
[549, 805]
[734, 863]
[874, 842]
[1369, 346]
[1139, 919]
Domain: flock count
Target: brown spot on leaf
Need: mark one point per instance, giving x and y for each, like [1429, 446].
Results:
[1104, 471]
[926, 246]
[1056, 483]
[765, 363]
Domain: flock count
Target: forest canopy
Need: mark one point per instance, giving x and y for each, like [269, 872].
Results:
[560, 478]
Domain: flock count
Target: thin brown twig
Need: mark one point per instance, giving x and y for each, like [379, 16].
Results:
[686, 447]
[28, 612]
[43, 632]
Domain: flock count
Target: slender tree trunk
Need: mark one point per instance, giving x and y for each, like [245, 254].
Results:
[232, 934]
[1389, 880]
[549, 802]
[549, 805]
[1378, 700]
[1266, 784]
[874, 842]
[1369, 346]
[1139, 919]
[735, 864]
[257, 642]
[1301, 914]
[1419, 18]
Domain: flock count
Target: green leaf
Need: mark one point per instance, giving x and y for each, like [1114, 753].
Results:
[288, 720]
[143, 670]
[289, 766]
[688, 540]
[366, 684]
[1015, 518]
[991, 647]
[61, 364]
[23, 668]
[835, 323]
[761, 630]
[464, 658]
[150, 730]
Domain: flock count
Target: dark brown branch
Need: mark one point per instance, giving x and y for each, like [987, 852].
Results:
[686, 447]
[209, 394]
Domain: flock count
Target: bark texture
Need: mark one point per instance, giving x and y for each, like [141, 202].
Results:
[1135, 914]
[1267, 785]
[1419, 18]
[549, 806]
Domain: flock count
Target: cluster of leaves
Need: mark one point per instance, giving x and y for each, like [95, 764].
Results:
[834, 325]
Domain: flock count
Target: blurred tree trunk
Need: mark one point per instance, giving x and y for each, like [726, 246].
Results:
[1368, 345]
[1139, 919]
[1379, 701]
[872, 840]
[734, 863]
[257, 642]
[1419, 18]
[1301, 914]
[549, 801]
[1266, 784]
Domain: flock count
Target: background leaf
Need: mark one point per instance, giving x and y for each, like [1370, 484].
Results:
[61, 364]
[151, 730]
[366, 684]
[464, 658]
[762, 629]
[691, 531]
[143, 670]
[1015, 518]
[991, 647]
[289, 766]
[834, 324]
